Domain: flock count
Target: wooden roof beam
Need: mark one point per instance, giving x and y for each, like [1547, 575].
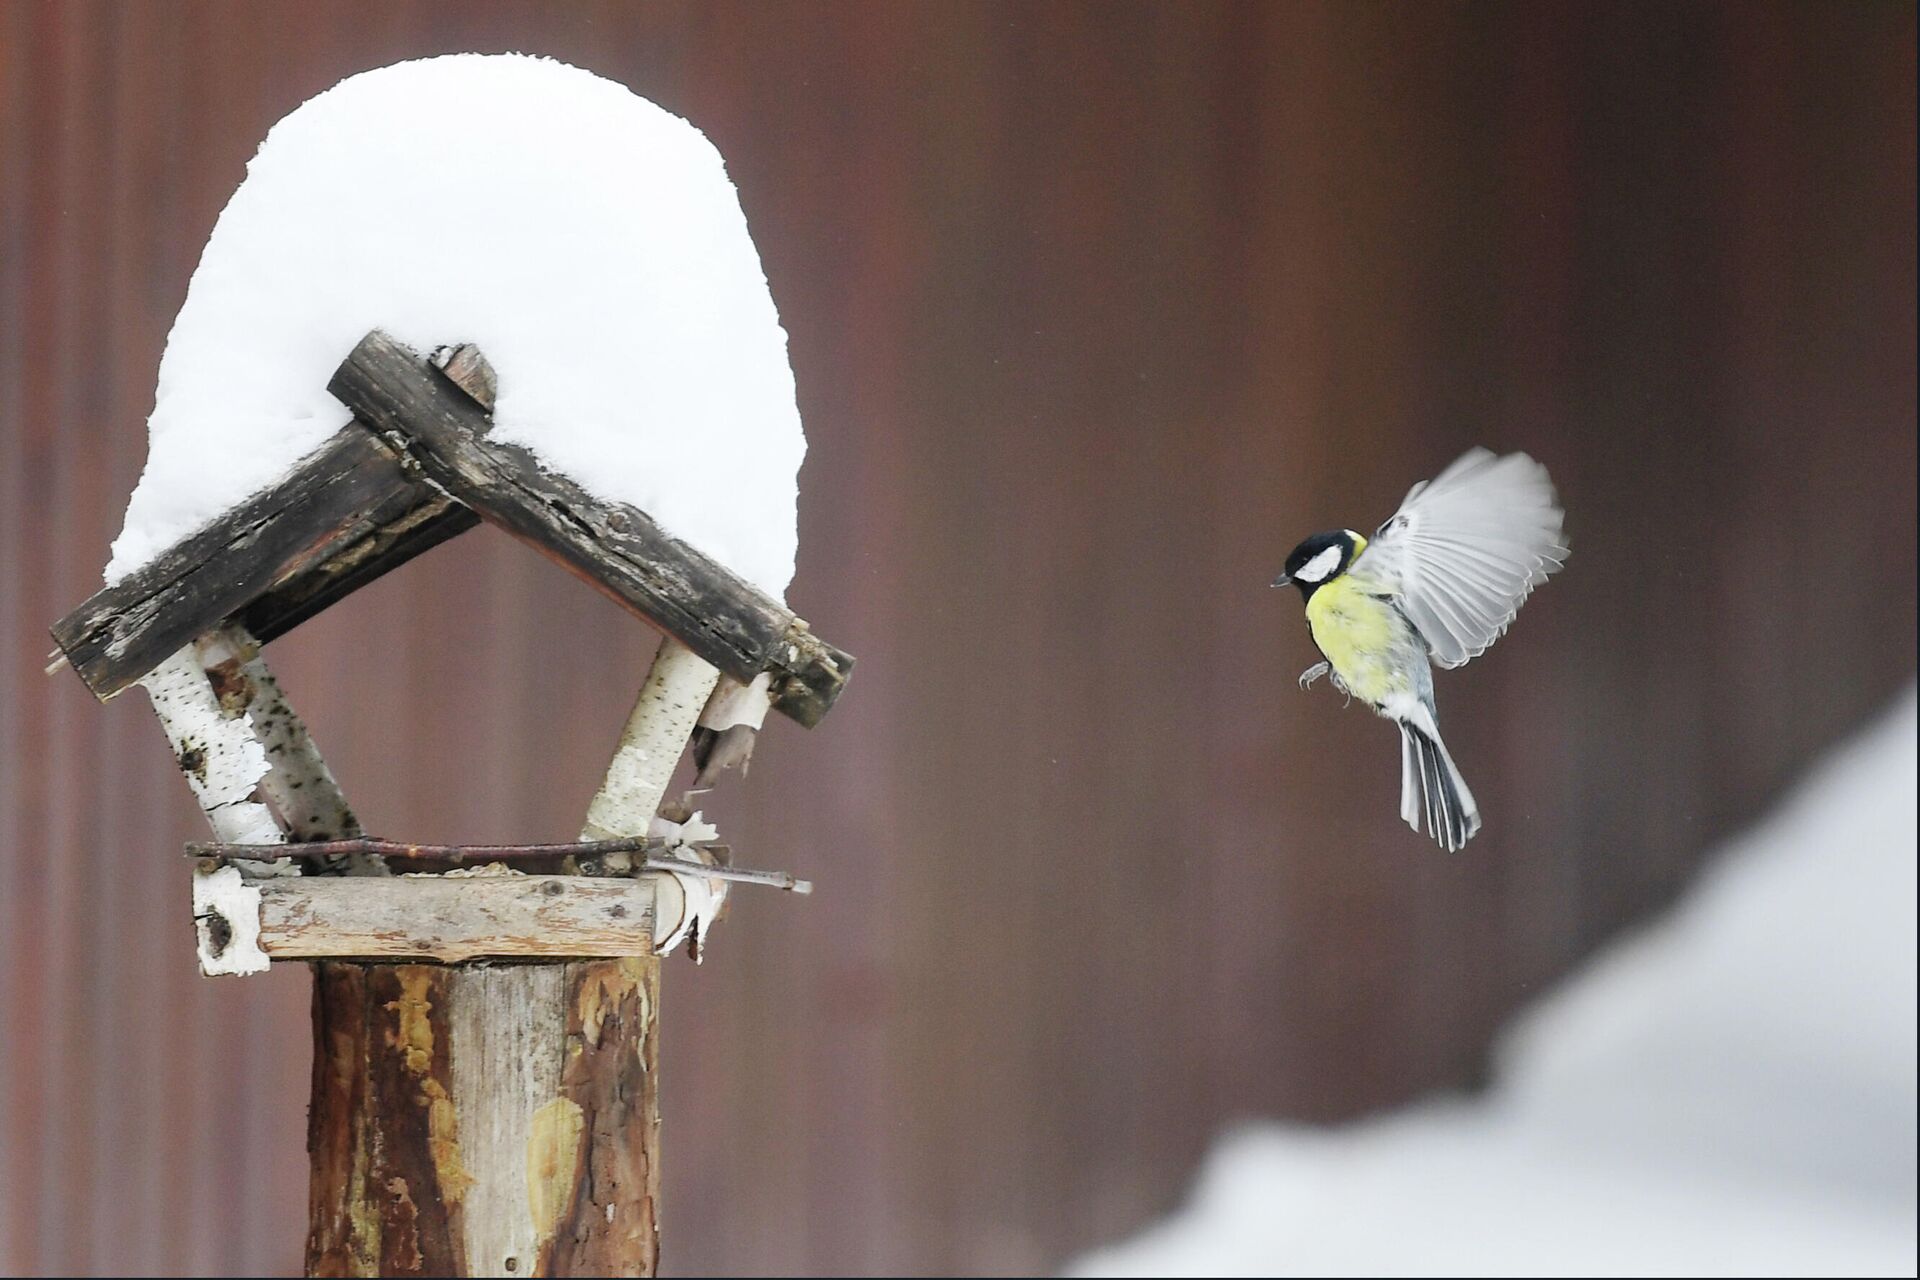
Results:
[414, 469]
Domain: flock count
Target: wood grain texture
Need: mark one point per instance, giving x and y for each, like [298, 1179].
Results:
[382, 1131]
[450, 919]
[519, 1137]
[606, 1203]
[403, 529]
[342, 517]
[617, 548]
[484, 1120]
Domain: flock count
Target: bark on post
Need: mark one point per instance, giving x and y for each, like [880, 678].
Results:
[502, 1119]
[484, 1119]
[257, 775]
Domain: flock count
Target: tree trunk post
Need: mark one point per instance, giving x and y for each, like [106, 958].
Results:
[502, 1119]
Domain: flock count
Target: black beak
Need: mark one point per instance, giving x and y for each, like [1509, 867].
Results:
[1282, 580]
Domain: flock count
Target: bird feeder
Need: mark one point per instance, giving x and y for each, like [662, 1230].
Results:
[484, 1086]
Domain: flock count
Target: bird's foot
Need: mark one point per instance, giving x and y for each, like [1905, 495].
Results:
[1313, 673]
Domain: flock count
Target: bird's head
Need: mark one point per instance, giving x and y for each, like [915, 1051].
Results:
[1321, 559]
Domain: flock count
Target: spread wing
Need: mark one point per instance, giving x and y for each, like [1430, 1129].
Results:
[1465, 549]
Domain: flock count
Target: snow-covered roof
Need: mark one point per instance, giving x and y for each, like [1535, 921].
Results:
[587, 240]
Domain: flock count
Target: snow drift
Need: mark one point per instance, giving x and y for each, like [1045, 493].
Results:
[1731, 1092]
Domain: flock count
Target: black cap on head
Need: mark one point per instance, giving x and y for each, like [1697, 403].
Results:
[1319, 559]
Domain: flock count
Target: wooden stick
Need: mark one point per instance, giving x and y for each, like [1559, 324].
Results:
[306, 802]
[676, 689]
[402, 851]
[346, 514]
[401, 857]
[453, 919]
[249, 762]
[618, 548]
[687, 869]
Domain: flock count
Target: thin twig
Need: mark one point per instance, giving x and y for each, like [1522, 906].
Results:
[651, 849]
[396, 850]
[740, 875]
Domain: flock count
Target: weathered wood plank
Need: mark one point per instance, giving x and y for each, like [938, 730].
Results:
[618, 548]
[445, 919]
[341, 1239]
[410, 1096]
[389, 1187]
[508, 1024]
[348, 513]
[433, 519]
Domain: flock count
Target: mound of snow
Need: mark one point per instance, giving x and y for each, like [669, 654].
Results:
[588, 240]
[1730, 1093]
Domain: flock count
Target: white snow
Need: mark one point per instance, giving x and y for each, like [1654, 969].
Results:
[589, 241]
[1731, 1092]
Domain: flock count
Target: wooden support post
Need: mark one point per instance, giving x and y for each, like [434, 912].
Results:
[663, 718]
[502, 1119]
[484, 1119]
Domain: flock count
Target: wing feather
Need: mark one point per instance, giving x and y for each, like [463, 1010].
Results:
[1466, 549]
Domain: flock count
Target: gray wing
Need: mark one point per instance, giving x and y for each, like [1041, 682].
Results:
[1465, 549]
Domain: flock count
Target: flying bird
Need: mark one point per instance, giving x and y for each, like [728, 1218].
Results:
[1438, 583]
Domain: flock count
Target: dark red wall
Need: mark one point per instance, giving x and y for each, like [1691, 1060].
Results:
[1095, 310]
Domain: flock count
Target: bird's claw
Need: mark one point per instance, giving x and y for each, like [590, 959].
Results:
[1313, 673]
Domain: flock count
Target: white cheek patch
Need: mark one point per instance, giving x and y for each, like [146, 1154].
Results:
[1320, 566]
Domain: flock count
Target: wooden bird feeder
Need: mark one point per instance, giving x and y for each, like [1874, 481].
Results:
[484, 1086]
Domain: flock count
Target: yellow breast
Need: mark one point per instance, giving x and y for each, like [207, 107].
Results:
[1359, 636]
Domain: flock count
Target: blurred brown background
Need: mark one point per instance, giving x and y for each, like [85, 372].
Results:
[1095, 310]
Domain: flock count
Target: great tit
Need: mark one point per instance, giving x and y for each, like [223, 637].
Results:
[1437, 583]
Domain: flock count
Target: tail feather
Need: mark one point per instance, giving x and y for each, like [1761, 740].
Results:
[1410, 789]
[1431, 788]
